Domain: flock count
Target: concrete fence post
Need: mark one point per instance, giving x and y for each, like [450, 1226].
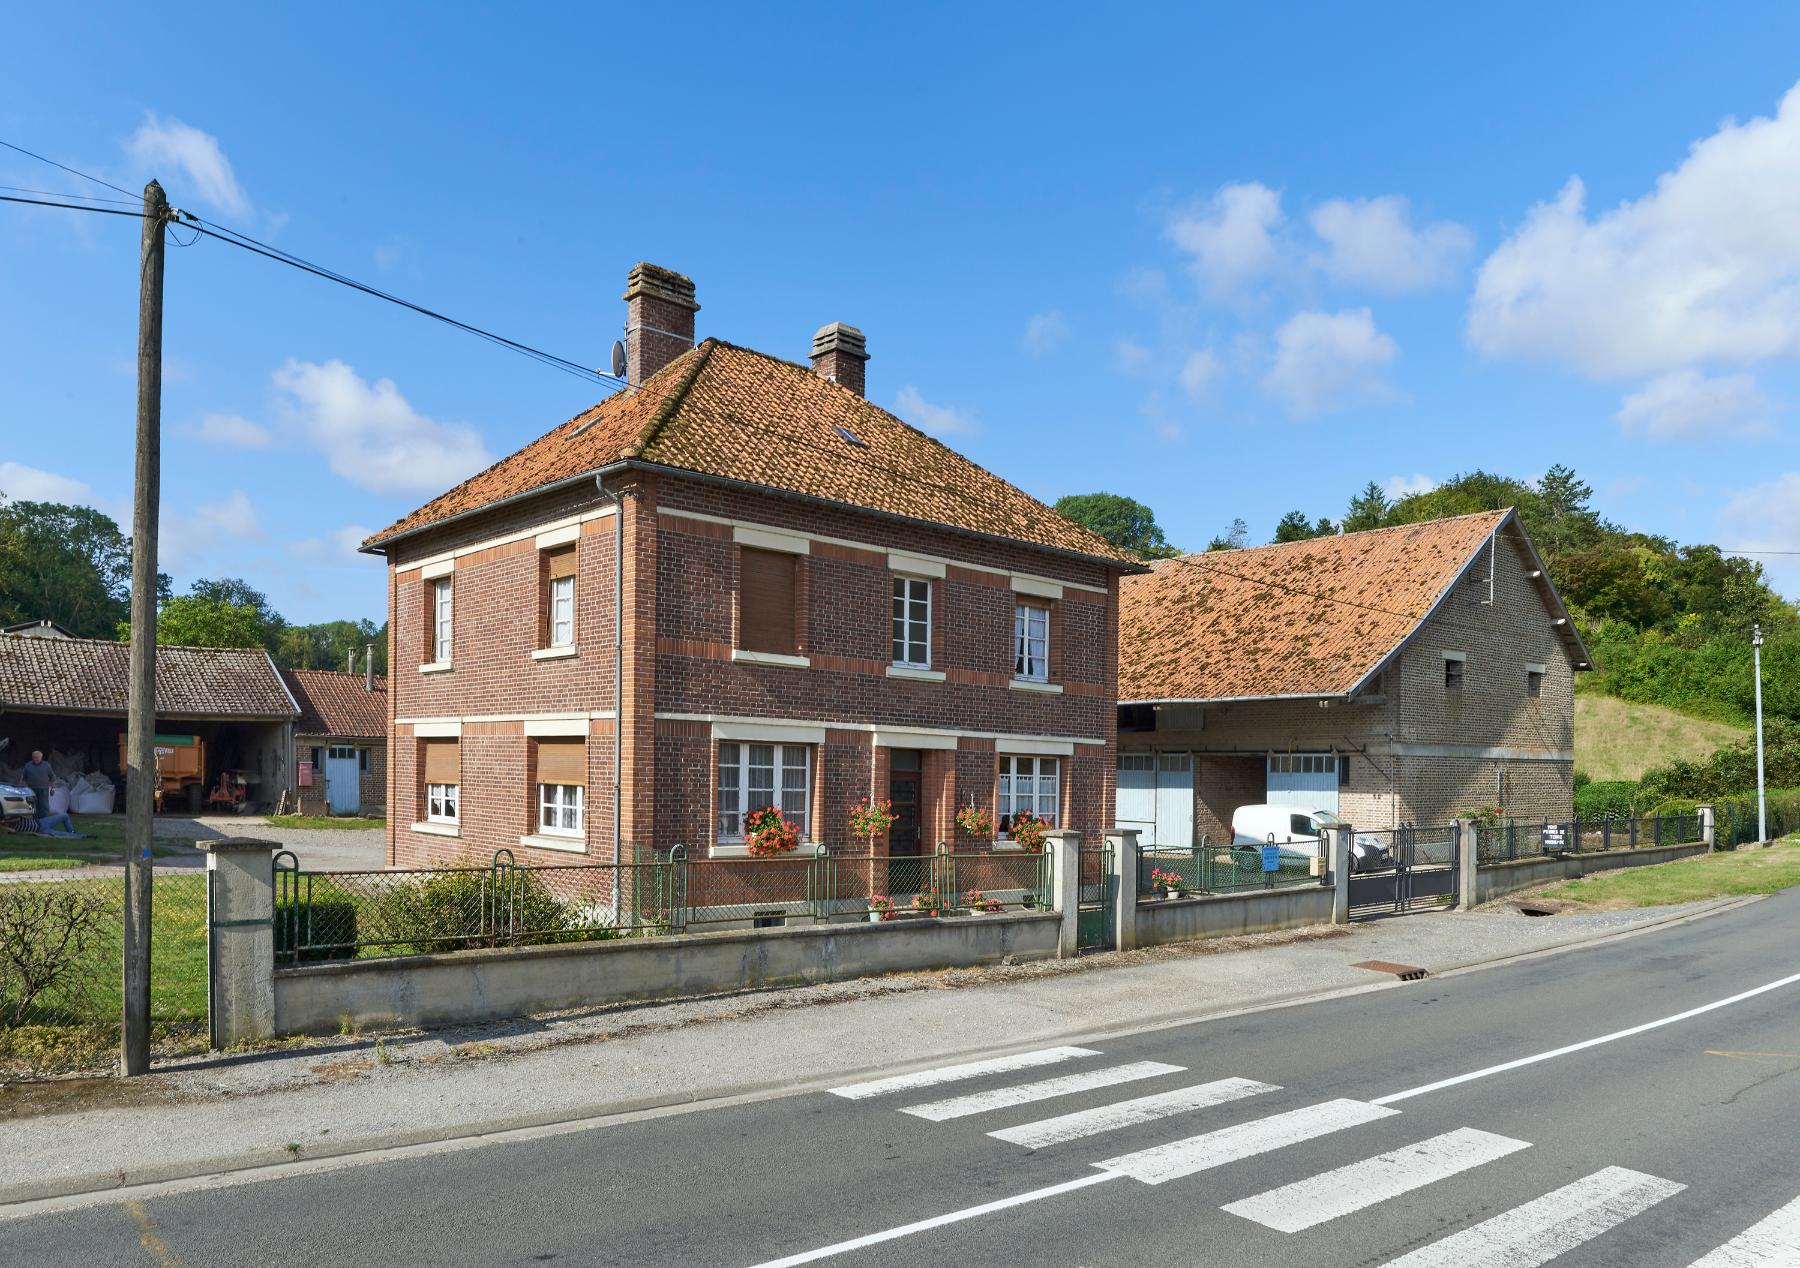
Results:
[1340, 874]
[1065, 888]
[1124, 843]
[1709, 826]
[1468, 855]
[240, 940]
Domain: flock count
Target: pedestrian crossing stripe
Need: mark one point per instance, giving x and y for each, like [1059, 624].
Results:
[1179, 1158]
[1047, 1089]
[1145, 1109]
[1773, 1242]
[957, 1073]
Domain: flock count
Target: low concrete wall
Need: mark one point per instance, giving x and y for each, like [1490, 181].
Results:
[1221, 915]
[469, 986]
[1496, 880]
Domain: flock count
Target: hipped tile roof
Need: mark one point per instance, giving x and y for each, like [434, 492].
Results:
[725, 411]
[333, 702]
[1305, 618]
[86, 675]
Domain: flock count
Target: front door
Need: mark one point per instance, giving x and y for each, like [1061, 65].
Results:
[907, 873]
[343, 780]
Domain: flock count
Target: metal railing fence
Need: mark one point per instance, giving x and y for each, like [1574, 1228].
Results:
[1515, 839]
[1230, 869]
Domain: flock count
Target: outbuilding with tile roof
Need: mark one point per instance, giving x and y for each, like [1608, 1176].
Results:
[341, 741]
[1402, 675]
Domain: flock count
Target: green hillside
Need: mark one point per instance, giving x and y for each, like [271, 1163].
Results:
[1617, 739]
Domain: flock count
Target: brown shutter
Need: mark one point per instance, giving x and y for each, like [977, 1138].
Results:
[766, 591]
[562, 762]
[443, 761]
[560, 563]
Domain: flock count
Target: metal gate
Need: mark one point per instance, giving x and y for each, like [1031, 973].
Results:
[1094, 914]
[1420, 872]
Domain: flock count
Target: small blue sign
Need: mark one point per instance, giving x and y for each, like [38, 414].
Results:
[1271, 858]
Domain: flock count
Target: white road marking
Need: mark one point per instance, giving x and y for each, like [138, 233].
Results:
[936, 1221]
[1229, 1144]
[1773, 1242]
[1587, 1043]
[1091, 1122]
[1330, 1194]
[1025, 1093]
[955, 1073]
[1546, 1227]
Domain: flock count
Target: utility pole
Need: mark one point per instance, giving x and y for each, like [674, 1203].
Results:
[140, 776]
[1762, 808]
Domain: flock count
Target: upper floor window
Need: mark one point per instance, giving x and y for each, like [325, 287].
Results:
[440, 620]
[1534, 682]
[912, 622]
[1031, 642]
[1454, 665]
[768, 595]
[559, 598]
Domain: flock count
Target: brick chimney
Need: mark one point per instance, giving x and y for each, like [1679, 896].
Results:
[840, 353]
[659, 319]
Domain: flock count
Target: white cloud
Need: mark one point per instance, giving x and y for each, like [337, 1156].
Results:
[183, 541]
[233, 430]
[350, 537]
[340, 546]
[1129, 356]
[371, 436]
[1198, 372]
[1767, 518]
[1372, 242]
[1401, 486]
[1230, 236]
[161, 143]
[1044, 331]
[1323, 360]
[1687, 405]
[1705, 267]
[938, 420]
[20, 483]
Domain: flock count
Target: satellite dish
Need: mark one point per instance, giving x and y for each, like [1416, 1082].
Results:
[618, 359]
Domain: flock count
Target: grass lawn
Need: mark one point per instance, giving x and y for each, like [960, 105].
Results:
[1724, 875]
[37, 862]
[349, 822]
[1616, 739]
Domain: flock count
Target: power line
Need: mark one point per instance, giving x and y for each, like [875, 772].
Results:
[88, 198]
[70, 170]
[44, 202]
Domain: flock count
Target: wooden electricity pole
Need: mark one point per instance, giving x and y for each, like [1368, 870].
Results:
[140, 775]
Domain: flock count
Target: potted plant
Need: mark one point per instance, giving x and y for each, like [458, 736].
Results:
[767, 833]
[979, 903]
[881, 907]
[975, 820]
[1168, 881]
[1029, 832]
[870, 819]
[928, 904]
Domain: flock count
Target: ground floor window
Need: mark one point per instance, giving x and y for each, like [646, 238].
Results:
[441, 803]
[752, 776]
[560, 809]
[1028, 783]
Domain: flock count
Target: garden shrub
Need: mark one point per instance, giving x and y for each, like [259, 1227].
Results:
[1598, 799]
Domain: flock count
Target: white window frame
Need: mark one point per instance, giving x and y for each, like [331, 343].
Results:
[443, 803]
[442, 620]
[902, 643]
[555, 802]
[562, 611]
[728, 823]
[1027, 666]
[1006, 788]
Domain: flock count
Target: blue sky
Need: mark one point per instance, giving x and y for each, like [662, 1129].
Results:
[1232, 264]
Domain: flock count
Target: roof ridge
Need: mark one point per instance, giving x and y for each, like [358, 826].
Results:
[672, 401]
[1502, 512]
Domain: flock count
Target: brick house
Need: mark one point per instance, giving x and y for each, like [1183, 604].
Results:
[1403, 675]
[341, 741]
[737, 582]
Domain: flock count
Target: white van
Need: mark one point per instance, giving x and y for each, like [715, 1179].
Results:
[1298, 830]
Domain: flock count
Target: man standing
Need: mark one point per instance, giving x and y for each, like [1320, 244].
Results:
[38, 778]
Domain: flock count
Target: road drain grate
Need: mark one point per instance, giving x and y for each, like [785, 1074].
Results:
[1405, 972]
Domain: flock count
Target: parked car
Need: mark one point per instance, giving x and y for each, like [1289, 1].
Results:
[1298, 832]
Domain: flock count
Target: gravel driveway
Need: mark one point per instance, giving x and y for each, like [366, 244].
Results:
[315, 848]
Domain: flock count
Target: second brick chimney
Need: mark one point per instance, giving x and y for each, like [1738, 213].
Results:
[840, 353]
[659, 319]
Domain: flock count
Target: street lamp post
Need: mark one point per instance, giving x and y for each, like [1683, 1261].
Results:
[1762, 815]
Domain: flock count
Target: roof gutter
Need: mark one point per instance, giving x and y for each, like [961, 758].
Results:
[379, 547]
[1293, 695]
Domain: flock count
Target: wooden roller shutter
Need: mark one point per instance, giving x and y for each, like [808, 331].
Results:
[562, 762]
[560, 563]
[443, 761]
[766, 596]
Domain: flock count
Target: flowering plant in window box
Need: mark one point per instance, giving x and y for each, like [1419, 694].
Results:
[881, 907]
[1170, 881]
[928, 902]
[975, 820]
[1028, 831]
[766, 832]
[870, 819]
[976, 901]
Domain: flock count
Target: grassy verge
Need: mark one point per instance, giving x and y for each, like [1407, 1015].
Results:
[1726, 875]
[346, 823]
[1618, 739]
[37, 862]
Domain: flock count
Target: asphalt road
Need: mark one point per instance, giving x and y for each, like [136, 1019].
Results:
[1655, 1148]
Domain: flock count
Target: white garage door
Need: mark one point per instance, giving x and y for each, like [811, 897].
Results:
[1308, 780]
[1156, 796]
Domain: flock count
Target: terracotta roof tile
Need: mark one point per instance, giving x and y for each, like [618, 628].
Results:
[333, 702]
[729, 412]
[1301, 619]
[85, 675]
